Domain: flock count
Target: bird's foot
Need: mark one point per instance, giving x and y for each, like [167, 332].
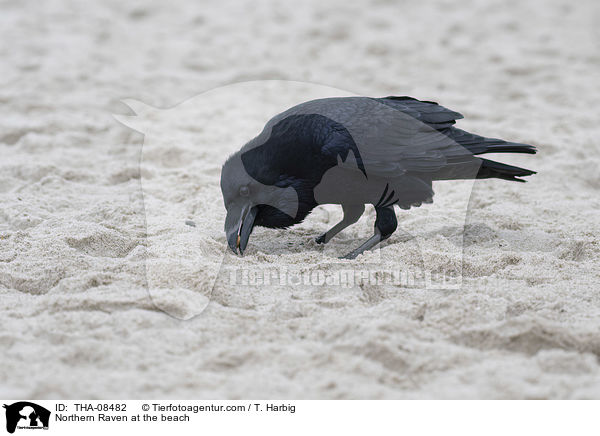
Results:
[352, 255]
[321, 239]
[367, 245]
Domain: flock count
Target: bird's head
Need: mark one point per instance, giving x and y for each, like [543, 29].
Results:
[246, 199]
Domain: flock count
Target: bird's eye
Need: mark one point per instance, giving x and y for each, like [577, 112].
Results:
[244, 191]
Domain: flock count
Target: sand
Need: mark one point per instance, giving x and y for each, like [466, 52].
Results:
[98, 268]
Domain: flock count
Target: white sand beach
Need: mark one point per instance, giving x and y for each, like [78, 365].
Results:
[106, 292]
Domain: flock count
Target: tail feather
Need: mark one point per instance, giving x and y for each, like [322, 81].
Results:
[493, 169]
[507, 147]
[477, 144]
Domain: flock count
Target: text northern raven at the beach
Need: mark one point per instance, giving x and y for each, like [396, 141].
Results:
[353, 151]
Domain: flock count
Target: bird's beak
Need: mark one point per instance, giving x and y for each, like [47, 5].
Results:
[238, 226]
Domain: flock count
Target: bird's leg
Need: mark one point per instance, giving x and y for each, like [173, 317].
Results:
[385, 225]
[367, 245]
[352, 213]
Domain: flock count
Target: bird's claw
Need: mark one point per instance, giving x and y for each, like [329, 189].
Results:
[349, 256]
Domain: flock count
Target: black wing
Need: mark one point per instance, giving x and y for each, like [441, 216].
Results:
[428, 112]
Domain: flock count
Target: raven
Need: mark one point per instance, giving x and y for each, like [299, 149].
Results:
[353, 151]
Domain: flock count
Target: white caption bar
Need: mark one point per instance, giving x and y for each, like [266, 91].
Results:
[299, 417]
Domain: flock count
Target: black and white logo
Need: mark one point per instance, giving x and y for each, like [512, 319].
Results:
[26, 415]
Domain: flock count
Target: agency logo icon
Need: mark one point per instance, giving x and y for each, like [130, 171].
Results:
[26, 415]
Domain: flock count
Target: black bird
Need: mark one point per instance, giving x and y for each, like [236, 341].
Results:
[353, 151]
